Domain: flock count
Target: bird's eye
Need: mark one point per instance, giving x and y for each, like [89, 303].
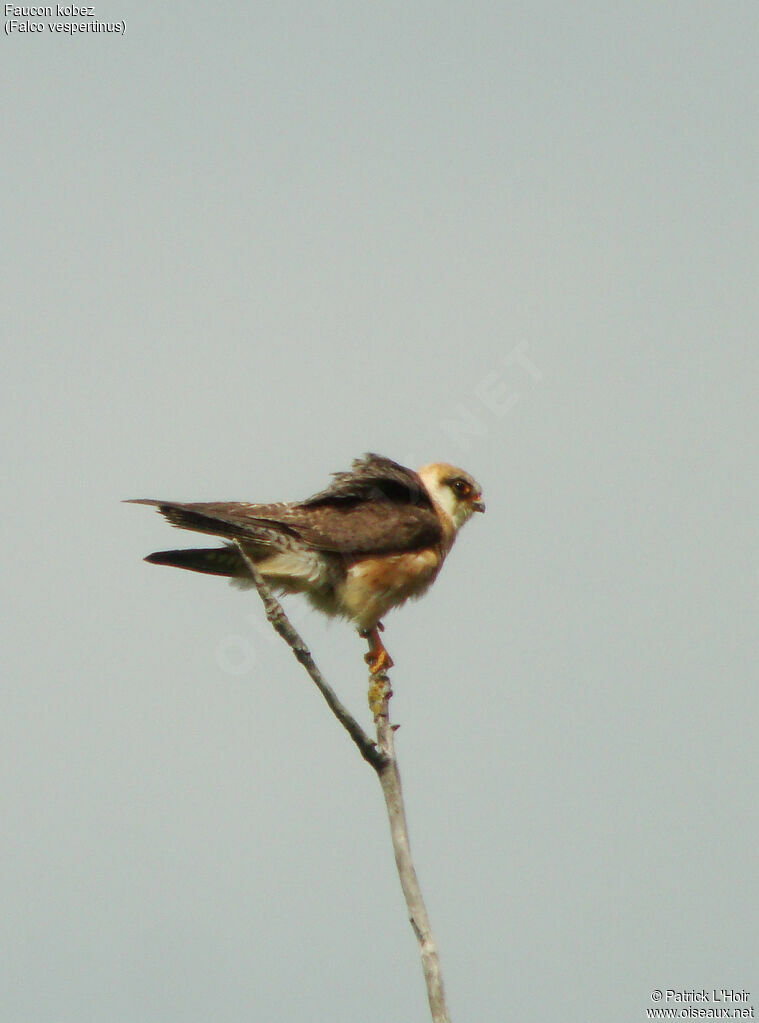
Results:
[461, 488]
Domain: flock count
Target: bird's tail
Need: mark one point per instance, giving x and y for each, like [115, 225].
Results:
[225, 561]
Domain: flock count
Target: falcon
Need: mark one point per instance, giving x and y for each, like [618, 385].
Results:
[375, 537]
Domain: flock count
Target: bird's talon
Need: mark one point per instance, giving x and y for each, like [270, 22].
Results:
[378, 661]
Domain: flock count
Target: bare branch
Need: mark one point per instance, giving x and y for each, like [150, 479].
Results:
[382, 758]
[280, 621]
[390, 780]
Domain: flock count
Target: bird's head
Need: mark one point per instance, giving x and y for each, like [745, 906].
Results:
[454, 491]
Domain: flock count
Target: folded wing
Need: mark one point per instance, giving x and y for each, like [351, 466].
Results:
[354, 526]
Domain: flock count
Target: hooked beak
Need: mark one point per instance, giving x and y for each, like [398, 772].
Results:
[478, 505]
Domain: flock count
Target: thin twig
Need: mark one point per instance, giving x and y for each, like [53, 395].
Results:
[382, 758]
[280, 621]
[390, 780]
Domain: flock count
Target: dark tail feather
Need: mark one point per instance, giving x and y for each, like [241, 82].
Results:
[216, 561]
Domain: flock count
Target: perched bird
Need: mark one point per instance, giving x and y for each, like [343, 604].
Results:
[375, 537]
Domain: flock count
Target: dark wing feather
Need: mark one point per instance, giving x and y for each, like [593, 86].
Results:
[379, 507]
[376, 478]
[368, 527]
[234, 519]
[360, 527]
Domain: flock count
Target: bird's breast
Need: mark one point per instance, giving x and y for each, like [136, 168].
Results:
[374, 585]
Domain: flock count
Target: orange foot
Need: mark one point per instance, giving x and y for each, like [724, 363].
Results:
[378, 659]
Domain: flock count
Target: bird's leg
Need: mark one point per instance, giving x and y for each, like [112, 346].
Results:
[378, 658]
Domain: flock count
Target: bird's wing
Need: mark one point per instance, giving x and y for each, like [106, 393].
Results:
[360, 526]
[234, 519]
[378, 507]
[364, 527]
[374, 477]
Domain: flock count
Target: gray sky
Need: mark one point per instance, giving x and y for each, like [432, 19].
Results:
[244, 243]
